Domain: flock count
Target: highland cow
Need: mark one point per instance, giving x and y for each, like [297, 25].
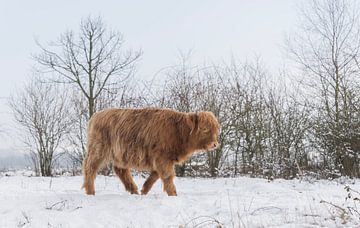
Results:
[149, 139]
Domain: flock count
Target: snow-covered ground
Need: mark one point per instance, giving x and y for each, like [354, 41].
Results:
[234, 202]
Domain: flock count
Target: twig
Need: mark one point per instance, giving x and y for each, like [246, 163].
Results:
[334, 205]
[55, 204]
[209, 219]
[27, 220]
[265, 208]
[79, 207]
[311, 215]
[298, 167]
[50, 184]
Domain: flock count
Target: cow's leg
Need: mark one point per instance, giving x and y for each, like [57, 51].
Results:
[154, 176]
[91, 164]
[169, 185]
[167, 174]
[126, 179]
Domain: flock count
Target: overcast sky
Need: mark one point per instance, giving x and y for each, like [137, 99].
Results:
[213, 29]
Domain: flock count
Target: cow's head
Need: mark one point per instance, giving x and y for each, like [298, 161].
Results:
[204, 130]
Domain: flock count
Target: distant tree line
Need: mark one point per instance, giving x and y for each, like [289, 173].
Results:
[300, 122]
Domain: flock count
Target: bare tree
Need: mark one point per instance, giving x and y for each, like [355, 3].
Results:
[43, 118]
[288, 127]
[267, 126]
[77, 135]
[97, 66]
[249, 120]
[327, 50]
[92, 61]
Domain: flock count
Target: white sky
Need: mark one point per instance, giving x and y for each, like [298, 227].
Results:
[213, 29]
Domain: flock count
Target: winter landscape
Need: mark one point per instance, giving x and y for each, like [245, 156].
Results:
[243, 113]
[201, 202]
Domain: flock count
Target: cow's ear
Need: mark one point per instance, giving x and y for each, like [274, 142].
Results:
[194, 122]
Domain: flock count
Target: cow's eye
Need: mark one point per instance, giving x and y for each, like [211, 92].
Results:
[205, 130]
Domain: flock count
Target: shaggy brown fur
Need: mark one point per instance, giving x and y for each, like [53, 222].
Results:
[148, 139]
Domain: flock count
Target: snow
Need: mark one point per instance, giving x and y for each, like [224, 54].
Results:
[222, 202]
